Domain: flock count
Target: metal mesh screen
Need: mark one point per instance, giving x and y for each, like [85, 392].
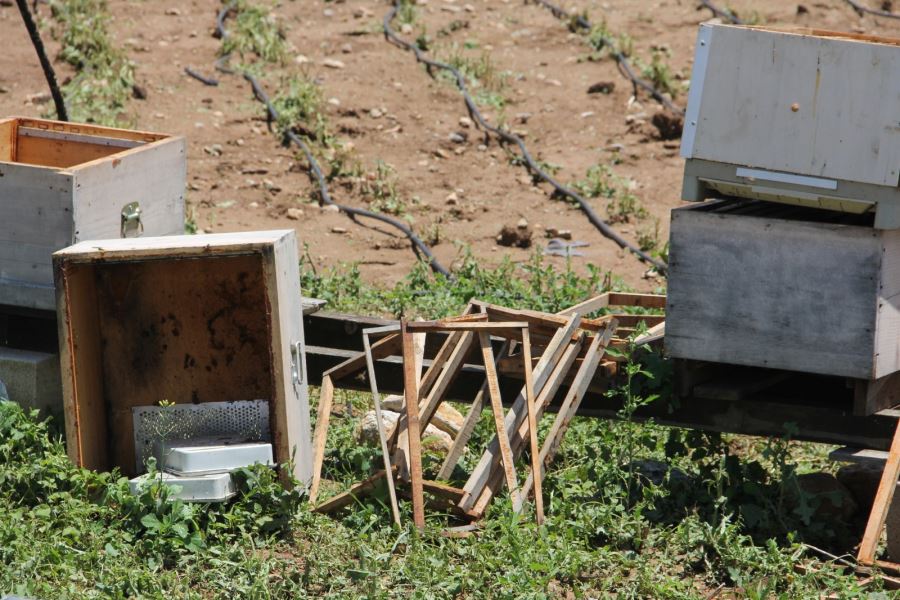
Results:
[237, 422]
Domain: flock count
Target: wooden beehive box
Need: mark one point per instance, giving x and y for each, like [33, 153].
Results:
[770, 285]
[61, 183]
[188, 319]
[796, 115]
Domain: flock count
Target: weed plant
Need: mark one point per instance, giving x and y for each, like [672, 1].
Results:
[622, 205]
[104, 77]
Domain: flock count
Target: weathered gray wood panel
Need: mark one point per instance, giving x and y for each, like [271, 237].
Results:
[152, 175]
[812, 103]
[773, 293]
[36, 218]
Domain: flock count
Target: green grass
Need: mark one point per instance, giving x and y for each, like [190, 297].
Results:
[622, 206]
[253, 34]
[104, 77]
[725, 513]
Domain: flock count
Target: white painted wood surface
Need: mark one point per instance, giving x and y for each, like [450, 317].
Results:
[45, 208]
[776, 293]
[807, 102]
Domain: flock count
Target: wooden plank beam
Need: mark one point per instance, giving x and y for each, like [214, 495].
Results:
[326, 396]
[509, 466]
[532, 427]
[414, 457]
[883, 497]
[379, 423]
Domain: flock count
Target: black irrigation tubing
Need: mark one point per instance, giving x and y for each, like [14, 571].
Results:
[722, 14]
[510, 138]
[861, 10]
[38, 44]
[419, 246]
[624, 65]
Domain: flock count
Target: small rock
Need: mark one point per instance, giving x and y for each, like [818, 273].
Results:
[465, 122]
[564, 234]
[602, 87]
[554, 82]
[446, 418]
[294, 213]
[328, 12]
[301, 59]
[802, 10]
[433, 440]
[362, 12]
[522, 224]
[834, 499]
[523, 117]
[587, 114]
[441, 153]
[406, 28]
[332, 208]
[376, 113]
[513, 236]
[669, 125]
[458, 137]
[482, 148]
[255, 204]
[37, 98]
[452, 199]
[347, 49]
[337, 229]
[214, 150]
[332, 63]
[450, 8]
[173, 12]
[138, 92]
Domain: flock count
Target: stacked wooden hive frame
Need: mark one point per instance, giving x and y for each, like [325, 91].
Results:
[545, 350]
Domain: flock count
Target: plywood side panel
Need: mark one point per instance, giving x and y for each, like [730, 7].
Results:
[59, 153]
[292, 434]
[807, 105]
[81, 369]
[7, 140]
[772, 293]
[183, 331]
[152, 175]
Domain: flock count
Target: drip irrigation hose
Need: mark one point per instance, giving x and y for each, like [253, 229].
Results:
[61, 113]
[861, 10]
[726, 15]
[510, 138]
[419, 246]
[622, 62]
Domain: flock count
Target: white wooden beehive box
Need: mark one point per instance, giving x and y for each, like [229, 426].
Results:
[185, 319]
[800, 116]
[61, 183]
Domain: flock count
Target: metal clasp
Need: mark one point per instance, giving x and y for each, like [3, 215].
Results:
[297, 362]
[132, 226]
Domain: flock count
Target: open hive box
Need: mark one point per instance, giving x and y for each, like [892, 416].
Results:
[185, 319]
[63, 182]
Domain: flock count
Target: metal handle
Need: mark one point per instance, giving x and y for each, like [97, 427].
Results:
[297, 362]
[131, 220]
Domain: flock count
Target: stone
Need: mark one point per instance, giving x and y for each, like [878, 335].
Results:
[376, 113]
[337, 229]
[452, 198]
[32, 379]
[465, 122]
[513, 236]
[458, 137]
[668, 125]
[433, 439]
[294, 213]
[602, 87]
[347, 49]
[522, 224]
[332, 63]
[406, 29]
[301, 59]
[446, 418]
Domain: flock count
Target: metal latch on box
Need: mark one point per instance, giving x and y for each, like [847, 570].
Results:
[132, 226]
[297, 362]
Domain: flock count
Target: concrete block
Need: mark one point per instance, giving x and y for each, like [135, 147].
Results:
[32, 379]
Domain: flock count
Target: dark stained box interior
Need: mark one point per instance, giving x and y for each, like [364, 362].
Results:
[63, 145]
[182, 330]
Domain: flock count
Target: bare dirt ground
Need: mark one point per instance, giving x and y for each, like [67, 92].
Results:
[254, 181]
